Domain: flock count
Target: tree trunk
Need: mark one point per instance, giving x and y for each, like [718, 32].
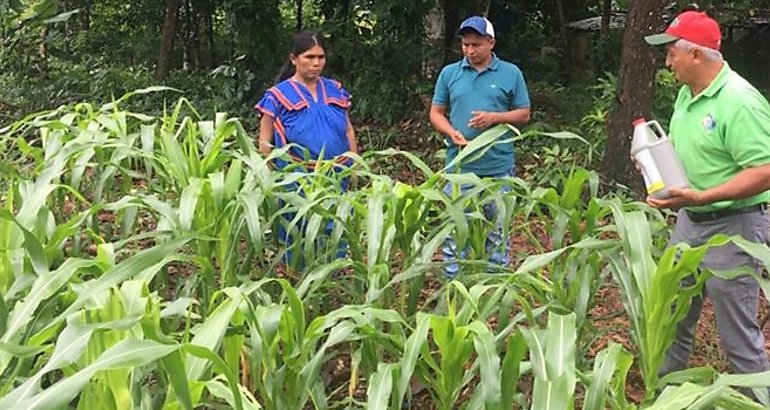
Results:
[435, 25]
[635, 93]
[65, 5]
[451, 22]
[299, 15]
[42, 49]
[195, 33]
[85, 15]
[190, 37]
[565, 46]
[209, 57]
[167, 40]
[604, 32]
[487, 7]
[455, 11]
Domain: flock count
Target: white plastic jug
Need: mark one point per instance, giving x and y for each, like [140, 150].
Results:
[655, 154]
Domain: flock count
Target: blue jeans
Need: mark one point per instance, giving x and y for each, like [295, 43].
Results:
[496, 245]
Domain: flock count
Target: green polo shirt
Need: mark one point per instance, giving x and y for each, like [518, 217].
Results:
[720, 132]
[498, 88]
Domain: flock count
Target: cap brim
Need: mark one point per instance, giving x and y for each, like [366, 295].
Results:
[660, 39]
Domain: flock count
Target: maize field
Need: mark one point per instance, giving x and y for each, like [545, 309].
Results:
[141, 268]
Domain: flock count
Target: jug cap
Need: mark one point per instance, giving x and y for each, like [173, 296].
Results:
[638, 121]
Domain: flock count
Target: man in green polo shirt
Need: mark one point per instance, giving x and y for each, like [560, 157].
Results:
[721, 132]
[476, 93]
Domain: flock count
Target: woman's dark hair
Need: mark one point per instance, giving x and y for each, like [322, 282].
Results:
[301, 42]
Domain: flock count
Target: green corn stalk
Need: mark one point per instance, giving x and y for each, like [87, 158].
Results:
[577, 275]
[145, 264]
[454, 347]
[111, 387]
[607, 382]
[71, 343]
[287, 351]
[717, 394]
[652, 295]
[456, 337]
[128, 353]
[552, 353]
[93, 333]
[570, 214]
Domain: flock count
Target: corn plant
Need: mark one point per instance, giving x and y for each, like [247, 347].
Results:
[286, 350]
[19, 329]
[721, 393]
[445, 362]
[91, 328]
[607, 382]
[102, 359]
[553, 363]
[576, 276]
[446, 352]
[552, 353]
[652, 295]
[557, 163]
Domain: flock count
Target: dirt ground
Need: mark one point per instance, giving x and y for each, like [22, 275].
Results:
[706, 349]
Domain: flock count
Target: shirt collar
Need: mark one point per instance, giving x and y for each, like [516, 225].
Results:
[492, 65]
[719, 81]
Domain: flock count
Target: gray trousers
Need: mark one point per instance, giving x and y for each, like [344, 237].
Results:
[735, 301]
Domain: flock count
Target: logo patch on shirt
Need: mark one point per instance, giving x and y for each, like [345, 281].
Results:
[708, 123]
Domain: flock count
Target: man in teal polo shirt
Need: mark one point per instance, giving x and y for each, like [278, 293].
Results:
[478, 92]
[721, 132]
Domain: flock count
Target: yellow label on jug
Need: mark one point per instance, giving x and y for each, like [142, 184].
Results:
[651, 189]
[652, 178]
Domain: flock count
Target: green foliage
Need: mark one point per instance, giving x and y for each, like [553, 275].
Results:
[185, 302]
[595, 121]
[21, 25]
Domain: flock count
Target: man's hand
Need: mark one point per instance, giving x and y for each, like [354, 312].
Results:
[636, 163]
[458, 138]
[678, 198]
[483, 119]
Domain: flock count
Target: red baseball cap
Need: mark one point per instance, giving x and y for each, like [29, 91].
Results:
[694, 26]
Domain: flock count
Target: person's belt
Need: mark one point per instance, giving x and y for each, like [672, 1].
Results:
[714, 215]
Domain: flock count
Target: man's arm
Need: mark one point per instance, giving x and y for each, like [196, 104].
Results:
[749, 182]
[440, 123]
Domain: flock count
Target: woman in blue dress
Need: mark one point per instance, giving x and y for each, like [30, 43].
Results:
[307, 109]
[310, 112]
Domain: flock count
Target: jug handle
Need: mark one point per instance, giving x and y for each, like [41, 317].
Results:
[661, 133]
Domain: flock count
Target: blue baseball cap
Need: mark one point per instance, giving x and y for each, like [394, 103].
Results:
[478, 24]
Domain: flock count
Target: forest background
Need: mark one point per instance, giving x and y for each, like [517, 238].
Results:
[223, 54]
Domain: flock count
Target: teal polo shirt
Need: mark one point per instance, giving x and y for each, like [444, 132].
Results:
[498, 88]
[719, 133]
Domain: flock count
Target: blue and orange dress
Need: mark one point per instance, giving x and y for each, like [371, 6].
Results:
[315, 126]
